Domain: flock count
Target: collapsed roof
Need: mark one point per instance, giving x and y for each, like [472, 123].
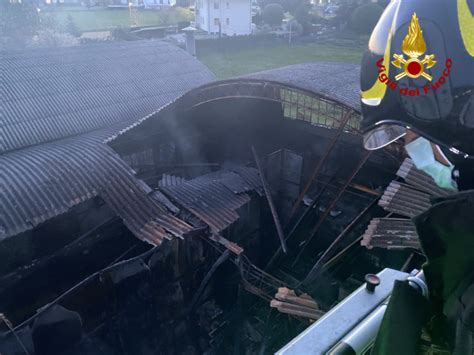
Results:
[58, 107]
[61, 104]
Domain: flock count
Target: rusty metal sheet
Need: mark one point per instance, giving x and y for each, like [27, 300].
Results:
[170, 180]
[407, 199]
[229, 179]
[251, 177]
[213, 197]
[391, 233]
[403, 199]
[419, 179]
[42, 182]
[233, 247]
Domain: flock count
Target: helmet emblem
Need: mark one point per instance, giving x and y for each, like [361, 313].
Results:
[414, 46]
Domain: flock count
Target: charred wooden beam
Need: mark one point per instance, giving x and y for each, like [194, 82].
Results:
[286, 295]
[297, 310]
[322, 161]
[336, 257]
[316, 269]
[224, 256]
[83, 241]
[300, 220]
[365, 189]
[98, 274]
[333, 203]
[233, 247]
[268, 195]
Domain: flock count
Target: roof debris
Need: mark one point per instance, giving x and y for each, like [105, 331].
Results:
[408, 200]
[286, 301]
[214, 198]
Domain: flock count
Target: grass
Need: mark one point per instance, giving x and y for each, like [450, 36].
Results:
[107, 19]
[227, 65]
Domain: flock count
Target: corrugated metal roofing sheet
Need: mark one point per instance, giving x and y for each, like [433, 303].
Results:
[339, 81]
[391, 233]
[251, 177]
[39, 183]
[233, 181]
[48, 95]
[407, 199]
[419, 179]
[52, 94]
[404, 200]
[213, 197]
[170, 180]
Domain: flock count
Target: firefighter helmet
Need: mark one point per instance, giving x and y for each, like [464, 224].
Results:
[418, 74]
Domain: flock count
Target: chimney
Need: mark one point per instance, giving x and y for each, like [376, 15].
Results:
[190, 40]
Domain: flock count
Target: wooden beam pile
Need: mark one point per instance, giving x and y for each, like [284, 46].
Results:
[286, 301]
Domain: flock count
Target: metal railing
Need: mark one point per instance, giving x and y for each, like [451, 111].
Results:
[316, 110]
[297, 103]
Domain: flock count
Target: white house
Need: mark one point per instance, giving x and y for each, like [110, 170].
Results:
[229, 17]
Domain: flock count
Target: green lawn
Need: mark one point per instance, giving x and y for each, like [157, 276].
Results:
[226, 65]
[106, 19]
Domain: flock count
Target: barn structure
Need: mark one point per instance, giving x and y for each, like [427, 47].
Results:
[150, 206]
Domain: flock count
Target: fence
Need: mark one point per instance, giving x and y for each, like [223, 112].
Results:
[237, 43]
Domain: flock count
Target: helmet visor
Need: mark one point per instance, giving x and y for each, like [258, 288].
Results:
[383, 135]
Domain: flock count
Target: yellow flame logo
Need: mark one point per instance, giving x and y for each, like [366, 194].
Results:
[414, 46]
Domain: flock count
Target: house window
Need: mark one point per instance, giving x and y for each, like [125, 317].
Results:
[216, 6]
[227, 21]
[216, 22]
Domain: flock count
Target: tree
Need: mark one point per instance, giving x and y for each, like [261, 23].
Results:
[71, 27]
[303, 16]
[344, 13]
[19, 22]
[290, 6]
[18, 19]
[257, 19]
[263, 3]
[183, 3]
[365, 17]
[273, 14]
